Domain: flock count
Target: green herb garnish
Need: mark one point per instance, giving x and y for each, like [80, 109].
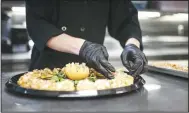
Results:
[55, 78]
[61, 79]
[76, 82]
[92, 77]
[58, 77]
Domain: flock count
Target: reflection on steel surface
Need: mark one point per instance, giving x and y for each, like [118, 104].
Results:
[148, 14]
[178, 17]
[151, 87]
[19, 10]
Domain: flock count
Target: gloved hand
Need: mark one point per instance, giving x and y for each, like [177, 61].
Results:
[134, 60]
[96, 56]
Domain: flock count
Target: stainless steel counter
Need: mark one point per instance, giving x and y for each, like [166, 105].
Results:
[160, 93]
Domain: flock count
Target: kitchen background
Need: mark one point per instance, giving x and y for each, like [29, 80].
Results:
[164, 26]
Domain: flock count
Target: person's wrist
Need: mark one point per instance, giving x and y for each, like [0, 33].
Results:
[66, 43]
[79, 43]
[133, 41]
[74, 43]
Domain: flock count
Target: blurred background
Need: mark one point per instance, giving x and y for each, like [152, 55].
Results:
[164, 26]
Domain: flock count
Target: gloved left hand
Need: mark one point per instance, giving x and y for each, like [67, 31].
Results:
[134, 60]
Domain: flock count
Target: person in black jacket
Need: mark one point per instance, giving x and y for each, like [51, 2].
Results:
[67, 31]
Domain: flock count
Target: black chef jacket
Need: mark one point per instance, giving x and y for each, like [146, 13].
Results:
[85, 19]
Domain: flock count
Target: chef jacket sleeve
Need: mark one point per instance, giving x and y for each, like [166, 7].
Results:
[123, 22]
[38, 21]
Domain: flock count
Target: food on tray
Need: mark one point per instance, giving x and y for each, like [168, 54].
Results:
[73, 76]
[85, 85]
[102, 84]
[121, 80]
[170, 66]
[95, 73]
[76, 71]
[65, 85]
[25, 80]
[37, 80]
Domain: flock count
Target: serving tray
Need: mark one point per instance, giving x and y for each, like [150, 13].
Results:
[168, 71]
[13, 87]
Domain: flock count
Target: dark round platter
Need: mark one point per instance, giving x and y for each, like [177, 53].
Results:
[12, 86]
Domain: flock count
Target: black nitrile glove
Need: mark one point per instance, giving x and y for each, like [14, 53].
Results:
[134, 60]
[96, 56]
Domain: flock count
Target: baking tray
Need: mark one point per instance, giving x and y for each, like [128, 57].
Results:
[168, 71]
[13, 87]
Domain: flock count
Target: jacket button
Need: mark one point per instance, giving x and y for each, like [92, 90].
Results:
[82, 29]
[64, 28]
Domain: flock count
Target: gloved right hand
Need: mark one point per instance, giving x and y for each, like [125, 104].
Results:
[96, 56]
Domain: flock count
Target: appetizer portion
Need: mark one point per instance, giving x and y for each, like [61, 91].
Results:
[85, 85]
[76, 71]
[73, 77]
[102, 84]
[121, 79]
[46, 79]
